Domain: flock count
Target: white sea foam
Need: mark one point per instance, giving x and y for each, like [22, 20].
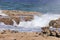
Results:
[14, 23]
[38, 21]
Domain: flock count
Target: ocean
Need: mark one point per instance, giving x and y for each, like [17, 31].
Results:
[31, 5]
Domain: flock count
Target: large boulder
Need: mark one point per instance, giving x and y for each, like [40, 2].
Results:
[55, 23]
[18, 16]
[52, 23]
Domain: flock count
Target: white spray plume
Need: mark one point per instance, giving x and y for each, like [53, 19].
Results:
[38, 21]
[41, 21]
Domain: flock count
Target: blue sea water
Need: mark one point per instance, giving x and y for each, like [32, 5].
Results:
[31, 5]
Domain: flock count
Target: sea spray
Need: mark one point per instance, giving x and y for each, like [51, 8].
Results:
[39, 21]
[34, 25]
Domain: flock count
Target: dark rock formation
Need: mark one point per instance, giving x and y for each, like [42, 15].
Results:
[47, 32]
[17, 19]
[6, 21]
[17, 16]
[55, 23]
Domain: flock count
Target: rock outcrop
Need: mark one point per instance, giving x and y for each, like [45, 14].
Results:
[47, 32]
[17, 16]
[55, 23]
[27, 15]
[7, 21]
[17, 19]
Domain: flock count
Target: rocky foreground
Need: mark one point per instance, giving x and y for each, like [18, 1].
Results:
[45, 34]
[15, 35]
[46, 31]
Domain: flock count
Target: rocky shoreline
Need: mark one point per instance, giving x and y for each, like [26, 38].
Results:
[45, 34]
[17, 16]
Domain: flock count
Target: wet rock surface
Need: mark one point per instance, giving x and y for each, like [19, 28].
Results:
[7, 21]
[55, 23]
[17, 16]
[48, 32]
[16, 19]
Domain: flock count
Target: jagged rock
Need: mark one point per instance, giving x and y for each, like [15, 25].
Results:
[45, 31]
[57, 32]
[20, 15]
[53, 33]
[52, 23]
[3, 32]
[27, 15]
[55, 23]
[17, 19]
[6, 21]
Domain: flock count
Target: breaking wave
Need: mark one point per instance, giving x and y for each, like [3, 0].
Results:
[37, 22]
[40, 21]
